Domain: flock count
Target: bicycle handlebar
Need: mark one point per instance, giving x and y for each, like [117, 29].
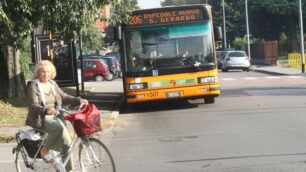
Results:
[61, 109]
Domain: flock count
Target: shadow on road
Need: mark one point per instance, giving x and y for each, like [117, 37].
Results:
[157, 106]
[106, 100]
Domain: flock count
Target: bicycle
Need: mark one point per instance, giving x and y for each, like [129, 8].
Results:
[93, 155]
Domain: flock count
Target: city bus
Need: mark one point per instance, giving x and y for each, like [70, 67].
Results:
[169, 53]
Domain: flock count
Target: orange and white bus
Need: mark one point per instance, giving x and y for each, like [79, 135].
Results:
[169, 53]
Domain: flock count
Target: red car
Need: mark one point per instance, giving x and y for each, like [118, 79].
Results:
[95, 69]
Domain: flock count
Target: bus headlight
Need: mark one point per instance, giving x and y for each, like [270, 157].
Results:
[206, 80]
[137, 86]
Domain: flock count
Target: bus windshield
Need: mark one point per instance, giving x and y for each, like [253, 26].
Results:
[167, 47]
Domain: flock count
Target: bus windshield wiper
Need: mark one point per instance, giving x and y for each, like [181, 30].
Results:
[193, 63]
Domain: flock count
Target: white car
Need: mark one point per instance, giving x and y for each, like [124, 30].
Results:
[236, 60]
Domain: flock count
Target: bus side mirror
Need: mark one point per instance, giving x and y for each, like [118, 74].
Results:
[118, 33]
[218, 33]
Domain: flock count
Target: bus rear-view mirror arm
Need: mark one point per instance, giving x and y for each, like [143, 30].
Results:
[218, 33]
[118, 33]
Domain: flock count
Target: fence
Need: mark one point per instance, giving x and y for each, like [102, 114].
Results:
[265, 52]
[294, 60]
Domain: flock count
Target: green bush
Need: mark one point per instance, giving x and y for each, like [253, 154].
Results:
[240, 42]
[26, 59]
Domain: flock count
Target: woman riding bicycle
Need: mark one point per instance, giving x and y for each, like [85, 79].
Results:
[44, 95]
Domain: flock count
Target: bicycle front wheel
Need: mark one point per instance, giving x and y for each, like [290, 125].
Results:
[95, 157]
[24, 163]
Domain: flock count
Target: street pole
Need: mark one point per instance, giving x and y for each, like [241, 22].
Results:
[247, 27]
[81, 60]
[50, 37]
[224, 30]
[302, 36]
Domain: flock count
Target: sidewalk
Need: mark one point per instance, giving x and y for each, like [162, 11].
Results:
[276, 70]
[106, 95]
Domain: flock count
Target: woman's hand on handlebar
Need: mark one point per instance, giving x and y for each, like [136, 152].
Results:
[51, 111]
[83, 102]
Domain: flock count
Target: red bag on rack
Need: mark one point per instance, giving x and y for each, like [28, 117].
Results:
[86, 121]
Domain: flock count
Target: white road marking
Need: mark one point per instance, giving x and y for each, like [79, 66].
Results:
[272, 77]
[258, 78]
[250, 78]
[8, 161]
[228, 79]
[294, 77]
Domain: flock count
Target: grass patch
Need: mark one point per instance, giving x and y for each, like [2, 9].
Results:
[13, 112]
[72, 91]
[282, 58]
[5, 138]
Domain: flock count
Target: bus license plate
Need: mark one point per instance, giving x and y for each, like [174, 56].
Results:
[173, 94]
[153, 94]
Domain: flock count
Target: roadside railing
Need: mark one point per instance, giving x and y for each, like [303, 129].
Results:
[295, 60]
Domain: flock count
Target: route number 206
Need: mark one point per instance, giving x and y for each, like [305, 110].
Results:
[135, 20]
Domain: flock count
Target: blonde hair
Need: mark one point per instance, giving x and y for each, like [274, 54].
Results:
[42, 64]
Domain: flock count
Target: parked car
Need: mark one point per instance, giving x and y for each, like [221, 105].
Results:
[116, 54]
[90, 56]
[113, 64]
[220, 56]
[111, 61]
[235, 60]
[95, 69]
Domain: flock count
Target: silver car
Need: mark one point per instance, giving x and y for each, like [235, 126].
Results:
[236, 60]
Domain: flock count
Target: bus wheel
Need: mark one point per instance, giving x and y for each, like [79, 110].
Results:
[209, 99]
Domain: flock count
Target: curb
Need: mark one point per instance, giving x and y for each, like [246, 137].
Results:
[268, 72]
[109, 122]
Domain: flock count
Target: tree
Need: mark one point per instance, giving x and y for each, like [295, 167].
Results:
[234, 17]
[92, 38]
[267, 18]
[120, 14]
[15, 25]
[18, 18]
[181, 2]
[272, 17]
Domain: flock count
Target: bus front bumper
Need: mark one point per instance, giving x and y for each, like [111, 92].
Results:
[174, 93]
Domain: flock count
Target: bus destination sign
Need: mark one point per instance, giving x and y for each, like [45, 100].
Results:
[166, 17]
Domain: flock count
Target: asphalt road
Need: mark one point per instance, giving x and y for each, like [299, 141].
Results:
[257, 124]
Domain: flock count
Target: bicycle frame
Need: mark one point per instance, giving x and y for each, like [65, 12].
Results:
[76, 142]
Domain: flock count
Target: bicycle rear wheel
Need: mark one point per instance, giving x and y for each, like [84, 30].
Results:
[95, 157]
[31, 165]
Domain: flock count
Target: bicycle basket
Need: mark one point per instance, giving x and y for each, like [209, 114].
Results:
[32, 147]
[86, 121]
